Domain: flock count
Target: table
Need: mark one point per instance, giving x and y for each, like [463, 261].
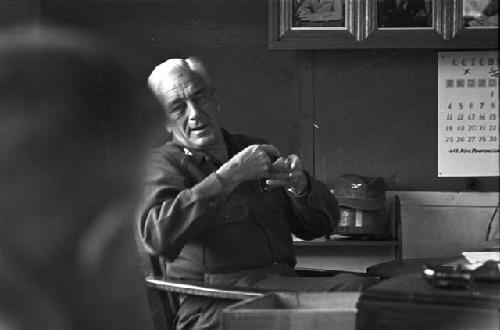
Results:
[409, 266]
[407, 301]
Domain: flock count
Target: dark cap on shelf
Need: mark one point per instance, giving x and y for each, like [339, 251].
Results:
[359, 192]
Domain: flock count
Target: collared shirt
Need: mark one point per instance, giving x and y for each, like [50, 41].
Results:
[187, 217]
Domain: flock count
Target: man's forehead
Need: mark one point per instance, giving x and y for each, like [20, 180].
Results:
[180, 85]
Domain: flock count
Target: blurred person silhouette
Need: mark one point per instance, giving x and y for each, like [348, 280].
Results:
[75, 118]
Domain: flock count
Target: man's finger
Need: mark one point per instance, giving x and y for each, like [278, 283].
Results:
[266, 159]
[277, 183]
[280, 161]
[295, 175]
[270, 149]
[278, 176]
[280, 166]
[295, 163]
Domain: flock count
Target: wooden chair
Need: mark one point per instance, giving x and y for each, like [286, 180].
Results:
[163, 293]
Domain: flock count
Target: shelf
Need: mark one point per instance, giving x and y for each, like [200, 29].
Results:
[345, 242]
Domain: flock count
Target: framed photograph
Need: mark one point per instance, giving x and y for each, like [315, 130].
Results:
[318, 13]
[480, 14]
[334, 24]
[318, 24]
[413, 14]
[471, 23]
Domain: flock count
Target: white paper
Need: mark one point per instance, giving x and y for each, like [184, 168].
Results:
[481, 257]
[468, 130]
[358, 219]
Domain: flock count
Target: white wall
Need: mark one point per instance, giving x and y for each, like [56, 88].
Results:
[447, 223]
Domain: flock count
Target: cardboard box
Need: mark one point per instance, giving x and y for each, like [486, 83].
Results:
[297, 311]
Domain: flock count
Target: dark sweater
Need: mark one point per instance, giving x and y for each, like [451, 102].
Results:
[188, 219]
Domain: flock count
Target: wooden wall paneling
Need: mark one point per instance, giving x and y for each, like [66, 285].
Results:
[158, 13]
[373, 118]
[376, 113]
[305, 82]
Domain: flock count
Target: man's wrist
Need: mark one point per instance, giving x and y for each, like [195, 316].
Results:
[301, 188]
[226, 179]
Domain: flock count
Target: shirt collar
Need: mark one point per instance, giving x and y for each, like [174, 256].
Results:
[198, 156]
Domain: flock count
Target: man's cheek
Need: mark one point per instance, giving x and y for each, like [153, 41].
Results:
[176, 127]
[210, 113]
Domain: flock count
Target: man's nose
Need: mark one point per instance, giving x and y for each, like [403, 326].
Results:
[193, 110]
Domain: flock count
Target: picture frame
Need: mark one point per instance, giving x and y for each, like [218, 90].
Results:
[362, 27]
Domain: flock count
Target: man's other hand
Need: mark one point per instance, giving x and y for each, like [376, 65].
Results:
[288, 173]
[252, 163]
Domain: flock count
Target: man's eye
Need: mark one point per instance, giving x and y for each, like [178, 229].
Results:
[201, 98]
[178, 109]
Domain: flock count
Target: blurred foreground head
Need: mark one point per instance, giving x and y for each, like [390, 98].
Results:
[76, 117]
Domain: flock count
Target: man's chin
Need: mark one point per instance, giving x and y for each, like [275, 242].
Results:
[208, 139]
[202, 142]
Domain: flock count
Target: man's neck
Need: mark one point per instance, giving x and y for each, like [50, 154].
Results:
[218, 151]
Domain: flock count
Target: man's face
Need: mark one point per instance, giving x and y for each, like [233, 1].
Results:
[192, 110]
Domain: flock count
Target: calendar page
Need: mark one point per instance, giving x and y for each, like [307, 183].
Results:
[468, 114]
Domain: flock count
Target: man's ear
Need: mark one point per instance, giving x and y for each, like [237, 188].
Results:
[170, 134]
[168, 128]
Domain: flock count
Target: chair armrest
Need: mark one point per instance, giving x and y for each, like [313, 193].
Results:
[199, 288]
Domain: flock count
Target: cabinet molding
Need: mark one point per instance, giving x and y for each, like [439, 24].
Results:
[360, 28]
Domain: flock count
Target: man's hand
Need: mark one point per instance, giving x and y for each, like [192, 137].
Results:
[252, 163]
[295, 180]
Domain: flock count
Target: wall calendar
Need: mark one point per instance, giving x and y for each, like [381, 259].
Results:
[468, 129]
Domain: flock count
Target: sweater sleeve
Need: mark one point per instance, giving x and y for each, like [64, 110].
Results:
[316, 213]
[171, 213]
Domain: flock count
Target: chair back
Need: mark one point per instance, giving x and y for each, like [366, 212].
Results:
[163, 305]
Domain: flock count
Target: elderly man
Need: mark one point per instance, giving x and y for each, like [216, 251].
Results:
[221, 207]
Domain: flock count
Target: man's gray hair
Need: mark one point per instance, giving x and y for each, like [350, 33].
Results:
[164, 76]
